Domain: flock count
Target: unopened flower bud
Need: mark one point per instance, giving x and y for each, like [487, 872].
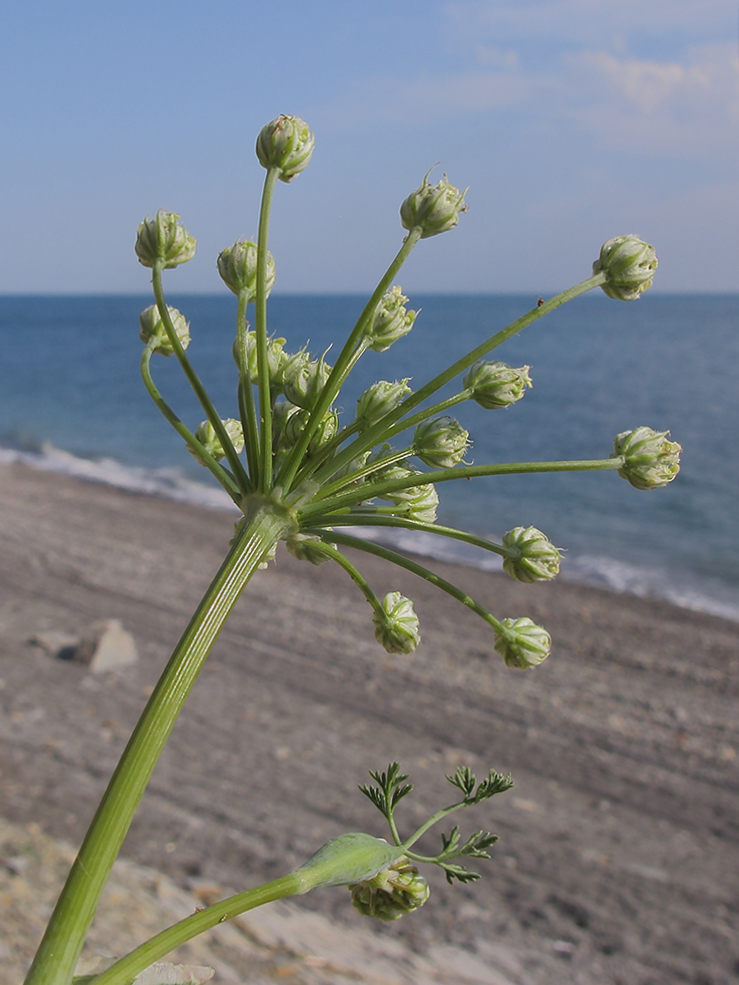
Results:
[496, 384]
[538, 559]
[433, 208]
[326, 430]
[303, 547]
[522, 643]
[650, 459]
[392, 893]
[206, 435]
[276, 358]
[379, 400]
[391, 320]
[629, 264]
[440, 442]
[162, 237]
[396, 624]
[423, 505]
[237, 266]
[285, 143]
[303, 379]
[152, 328]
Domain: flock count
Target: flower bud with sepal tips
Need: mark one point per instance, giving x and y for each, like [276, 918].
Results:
[152, 329]
[276, 358]
[206, 435]
[522, 643]
[237, 266]
[378, 400]
[286, 144]
[650, 459]
[440, 442]
[392, 893]
[538, 559]
[391, 320]
[163, 239]
[629, 264]
[496, 384]
[396, 624]
[432, 208]
[325, 431]
[303, 379]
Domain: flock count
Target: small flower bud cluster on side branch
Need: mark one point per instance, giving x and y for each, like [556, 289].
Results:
[291, 444]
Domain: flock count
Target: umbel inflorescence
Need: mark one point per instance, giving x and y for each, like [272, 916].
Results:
[382, 468]
[300, 473]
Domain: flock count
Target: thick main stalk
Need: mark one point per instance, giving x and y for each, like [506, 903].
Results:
[60, 948]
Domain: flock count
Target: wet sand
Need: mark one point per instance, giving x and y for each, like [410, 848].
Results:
[619, 847]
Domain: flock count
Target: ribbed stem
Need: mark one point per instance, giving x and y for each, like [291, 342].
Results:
[57, 955]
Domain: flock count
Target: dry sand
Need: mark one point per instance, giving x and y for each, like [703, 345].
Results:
[619, 852]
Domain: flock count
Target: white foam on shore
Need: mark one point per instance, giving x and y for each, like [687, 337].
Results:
[169, 483]
[617, 576]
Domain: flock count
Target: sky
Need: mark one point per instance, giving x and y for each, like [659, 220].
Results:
[571, 121]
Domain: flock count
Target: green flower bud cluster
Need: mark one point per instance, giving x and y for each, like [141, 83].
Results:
[208, 438]
[303, 379]
[276, 358]
[163, 239]
[522, 643]
[392, 893]
[152, 329]
[396, 624]
[629, 264]
[496, 384]
[537, 558]
[650, 459]
[237, 266]
[286, 144]
[378, 400]
[432, 208]
[417, 502]
[391, 320]
[440, 442]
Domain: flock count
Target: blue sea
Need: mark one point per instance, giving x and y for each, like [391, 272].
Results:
[71, 400]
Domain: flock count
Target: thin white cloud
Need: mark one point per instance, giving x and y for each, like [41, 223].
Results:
[592, 22]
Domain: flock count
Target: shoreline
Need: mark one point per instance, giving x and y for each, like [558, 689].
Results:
[170, 484]
[619, 838]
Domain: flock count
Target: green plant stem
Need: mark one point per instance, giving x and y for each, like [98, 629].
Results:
[263, 380]
[367, 469]
[247, 410]
[354, 573]
[380, 489]
[347, 358]
[375, 520]
[194, 380]
[418, 569]
[123, 971]
[57, 955]
[376, 433]
[225, 478]
[434, 819]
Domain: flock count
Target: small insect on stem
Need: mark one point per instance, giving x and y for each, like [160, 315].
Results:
[540, 302]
